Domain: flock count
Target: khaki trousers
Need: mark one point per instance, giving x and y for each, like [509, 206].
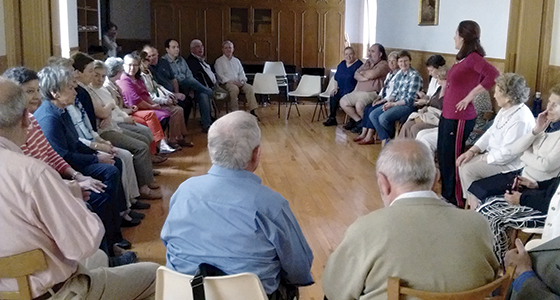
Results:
[233, 92]
[476, 169]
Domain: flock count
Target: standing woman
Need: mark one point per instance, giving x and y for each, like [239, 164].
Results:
[469, 76]
[344, 82]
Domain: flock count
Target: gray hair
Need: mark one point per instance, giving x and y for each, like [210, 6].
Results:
[394, 54]
[12, 103]
[195, 42]
[114, 66]
[232, 139]
[99, 64]
[54, 79]
[227, 42]
[514, 87]
[57, 61]
[407, 163]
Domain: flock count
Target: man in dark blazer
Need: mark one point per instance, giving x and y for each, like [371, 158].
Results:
[202, 70]
[537, 271]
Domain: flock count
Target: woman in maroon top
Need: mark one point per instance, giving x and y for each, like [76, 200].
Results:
[470, 75]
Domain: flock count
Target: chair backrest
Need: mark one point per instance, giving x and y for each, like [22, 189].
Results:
[20, 266]
[330, 88]
[309, 85]
[394, 290]
[265, 84]
[172, 285]
[274, 68]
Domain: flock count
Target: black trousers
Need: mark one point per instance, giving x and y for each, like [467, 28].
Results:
[334, 104]
[452, 135]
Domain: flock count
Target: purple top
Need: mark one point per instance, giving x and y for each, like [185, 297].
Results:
[134, 92]
[464, 76]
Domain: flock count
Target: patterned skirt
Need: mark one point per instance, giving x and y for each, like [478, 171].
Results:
[502, 216]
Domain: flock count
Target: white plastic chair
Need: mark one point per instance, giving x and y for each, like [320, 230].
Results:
[309, 86]
[324, 97]
[172, 285]
[277, 69]
[265, 84]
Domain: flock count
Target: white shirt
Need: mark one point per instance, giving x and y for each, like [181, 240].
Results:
[416, 194]
[229, 69]
[206, 68]
[508, 127]
[432, 87]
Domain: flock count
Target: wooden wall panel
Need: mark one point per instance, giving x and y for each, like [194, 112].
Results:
[310, 42]
[553, 78]
[3, 63]
[287, 33]
[189, 28]
[163, 25]
[36, 33]
[333, 37]
[214, 31]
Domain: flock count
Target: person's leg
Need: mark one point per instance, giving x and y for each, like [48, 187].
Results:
[446, 157]
[406, 130]
[389, 117]
[149, 118]
[429, 137]
[250, 95]
[205, 113]
[365, 100]
[128, 177]
[193, 84]
[233, 93]
[334, 103]
[177, 128]
[348, 104]
[374, 118]
[141, 132]
[417, 127]
[477, 168]
[187, 105]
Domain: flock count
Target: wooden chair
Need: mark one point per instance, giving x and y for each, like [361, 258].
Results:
[20, 266]
[394, 290]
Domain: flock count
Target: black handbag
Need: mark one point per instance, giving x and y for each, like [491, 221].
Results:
[197, 283]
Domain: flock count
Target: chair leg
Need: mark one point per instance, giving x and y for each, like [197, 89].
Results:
[279, 103]
[289, 109]
[315, 110]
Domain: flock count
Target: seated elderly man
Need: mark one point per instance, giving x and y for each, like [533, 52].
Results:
[41, 213]
[417, 236]
[228, 219]
[370, 77]
[202, 71]
[232, 78]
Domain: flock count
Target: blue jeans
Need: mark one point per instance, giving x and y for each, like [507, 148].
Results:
[384, 121]
[203, 95]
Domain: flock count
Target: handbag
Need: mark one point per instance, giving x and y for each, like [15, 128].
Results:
[197, 283]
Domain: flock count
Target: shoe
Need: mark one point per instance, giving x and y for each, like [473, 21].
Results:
[364, 142]
[358, 138]
[184, 143]
[356, 129]
[126, 258]
[330, 122]
[175, 146]
[154, 185]
[130, 223]
[351, 124]
[136, 215]
[156, 172]
[255, 114]
[164, 148]
[151, 195]
[140, 205]
[123, 244]
[158, 159]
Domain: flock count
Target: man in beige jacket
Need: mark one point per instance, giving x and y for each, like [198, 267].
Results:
[429, 244]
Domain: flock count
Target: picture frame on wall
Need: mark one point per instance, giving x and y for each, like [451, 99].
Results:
[428, 12]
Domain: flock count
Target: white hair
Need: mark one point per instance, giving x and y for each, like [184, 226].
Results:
[232, 139]
[195, 42]
[54, 79]
[12, 103]
[227, 42]
[407, 163]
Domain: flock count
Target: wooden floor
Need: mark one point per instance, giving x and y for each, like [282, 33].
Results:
[328, 179]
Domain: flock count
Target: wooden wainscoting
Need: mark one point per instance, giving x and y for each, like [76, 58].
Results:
[552, 77]
[3, 63]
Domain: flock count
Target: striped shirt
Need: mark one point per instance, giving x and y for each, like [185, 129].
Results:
[38, 147]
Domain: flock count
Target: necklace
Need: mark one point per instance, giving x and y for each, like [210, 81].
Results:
[498, 126]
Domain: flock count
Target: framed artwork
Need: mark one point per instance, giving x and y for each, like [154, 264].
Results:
[428, 12]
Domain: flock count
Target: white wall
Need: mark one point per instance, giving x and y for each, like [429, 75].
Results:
[353, 20]
[555, 47]
[2, 30]
[133, 18]
[68, 14]
[397, 25]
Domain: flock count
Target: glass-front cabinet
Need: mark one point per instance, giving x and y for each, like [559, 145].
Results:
[250, 20]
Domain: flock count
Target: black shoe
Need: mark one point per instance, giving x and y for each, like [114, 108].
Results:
[356, 129]
[126, 258]
[131, 223]
[136, 215]
[255, 114]
[140, 205]
[351, 124]
[330, 122]
[124, 244]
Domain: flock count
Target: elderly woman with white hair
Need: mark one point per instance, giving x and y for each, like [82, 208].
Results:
[492, 153]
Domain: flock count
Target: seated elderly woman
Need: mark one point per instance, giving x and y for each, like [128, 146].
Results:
[492, 153]
[429, 110]
[401, 101]
[36, 144]
[57, 90]
[134, 93]
[368, 134]
[344, 82]
[539, 150]
[138, 144]
[130, 117]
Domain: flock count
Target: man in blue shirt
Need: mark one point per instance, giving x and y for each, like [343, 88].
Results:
[228, 219]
